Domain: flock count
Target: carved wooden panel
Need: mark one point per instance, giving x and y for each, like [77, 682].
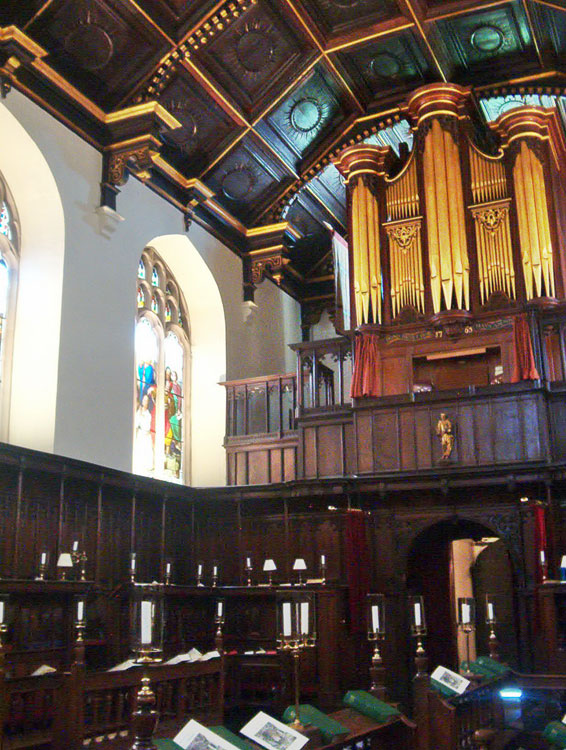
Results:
[115, 525]
[404, 438]
[102, 46]
[258, 467]
[311, 110]
[253, 58]
[386, 436]
[489, 41]
[178, 540]
[380, 67]
[342, 16]
[364, 442]
[330, 461]
[310, 452]
[246, 177]
[175, 16]
[290, 464]
[205, 129]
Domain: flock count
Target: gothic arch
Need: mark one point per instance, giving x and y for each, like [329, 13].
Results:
[35, 356]
[205, 313]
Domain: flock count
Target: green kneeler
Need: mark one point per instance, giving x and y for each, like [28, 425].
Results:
[329, 728]
[497, 669]
[367, 705]
[164, 744]
[555, 732]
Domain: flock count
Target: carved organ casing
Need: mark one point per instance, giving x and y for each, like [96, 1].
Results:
[456, 229]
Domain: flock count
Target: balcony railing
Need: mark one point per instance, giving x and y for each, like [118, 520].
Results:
[326, 373]
[261, 405]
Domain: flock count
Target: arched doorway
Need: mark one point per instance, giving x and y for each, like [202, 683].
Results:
[461, 557]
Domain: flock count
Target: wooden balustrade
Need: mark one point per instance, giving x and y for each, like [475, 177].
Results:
[75, 709]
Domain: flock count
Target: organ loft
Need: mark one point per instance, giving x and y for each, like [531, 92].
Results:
[283, 375]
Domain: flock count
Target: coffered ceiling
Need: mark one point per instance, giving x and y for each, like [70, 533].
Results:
[232, 109]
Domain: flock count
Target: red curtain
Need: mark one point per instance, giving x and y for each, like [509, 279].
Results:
[357, 568]
[365, 378]
[540, 539]
[525, 368]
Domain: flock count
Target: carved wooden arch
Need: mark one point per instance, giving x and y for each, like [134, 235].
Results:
[504, 523]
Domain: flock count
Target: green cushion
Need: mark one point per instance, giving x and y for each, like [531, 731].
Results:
[555, 732]
[369, 706]
[308, 714]
[229, 736]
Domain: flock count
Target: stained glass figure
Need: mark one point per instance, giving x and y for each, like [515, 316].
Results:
[141, 298]
[154, 277]
[4, 287]
[141, 270]
[5, 222]
[174, 364]
[154, 305]
[168, 313]
[147, 352]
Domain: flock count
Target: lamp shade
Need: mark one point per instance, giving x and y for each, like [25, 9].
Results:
[269, 565]
[65, 560]
[299, 564]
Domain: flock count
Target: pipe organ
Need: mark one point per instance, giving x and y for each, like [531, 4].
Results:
[457, 229]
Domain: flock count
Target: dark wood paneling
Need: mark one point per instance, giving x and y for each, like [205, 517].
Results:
[407, 438]
[364, 442]
[310, 451]
[422, 438]
[290, 463]
[386, 440]
[258, 467]
[276, 465]
[329, 450]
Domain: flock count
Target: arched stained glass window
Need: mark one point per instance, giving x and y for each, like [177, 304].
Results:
[141, 270]
[5, 221]
[154, 277]
[162, 356]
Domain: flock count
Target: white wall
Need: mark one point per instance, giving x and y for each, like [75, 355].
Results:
[92, 417]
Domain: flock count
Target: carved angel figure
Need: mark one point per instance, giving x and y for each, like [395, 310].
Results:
[444, 431]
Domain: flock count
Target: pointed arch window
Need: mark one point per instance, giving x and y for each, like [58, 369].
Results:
[162, 363]
[9, 264]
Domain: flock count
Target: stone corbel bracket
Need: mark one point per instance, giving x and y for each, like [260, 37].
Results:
[267, 254]
[134, 135]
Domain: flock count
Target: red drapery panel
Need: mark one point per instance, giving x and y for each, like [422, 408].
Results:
[525, 368]
[540, 538]
[365, 378]
[357, 568]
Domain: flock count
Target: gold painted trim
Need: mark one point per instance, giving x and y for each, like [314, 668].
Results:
[264, 250]
[369, 37]
[71, 91]
[8, 33]
[220, 156]
[280, 226]
[229, 108]
[123, 145]
[155, 25]
[141, 109]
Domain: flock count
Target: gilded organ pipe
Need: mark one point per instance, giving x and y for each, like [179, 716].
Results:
[534, 227]
[404, 239]
[491, 221]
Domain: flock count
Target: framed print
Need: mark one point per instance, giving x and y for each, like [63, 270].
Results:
[193, 736]
[273, 734]
[451, 680]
